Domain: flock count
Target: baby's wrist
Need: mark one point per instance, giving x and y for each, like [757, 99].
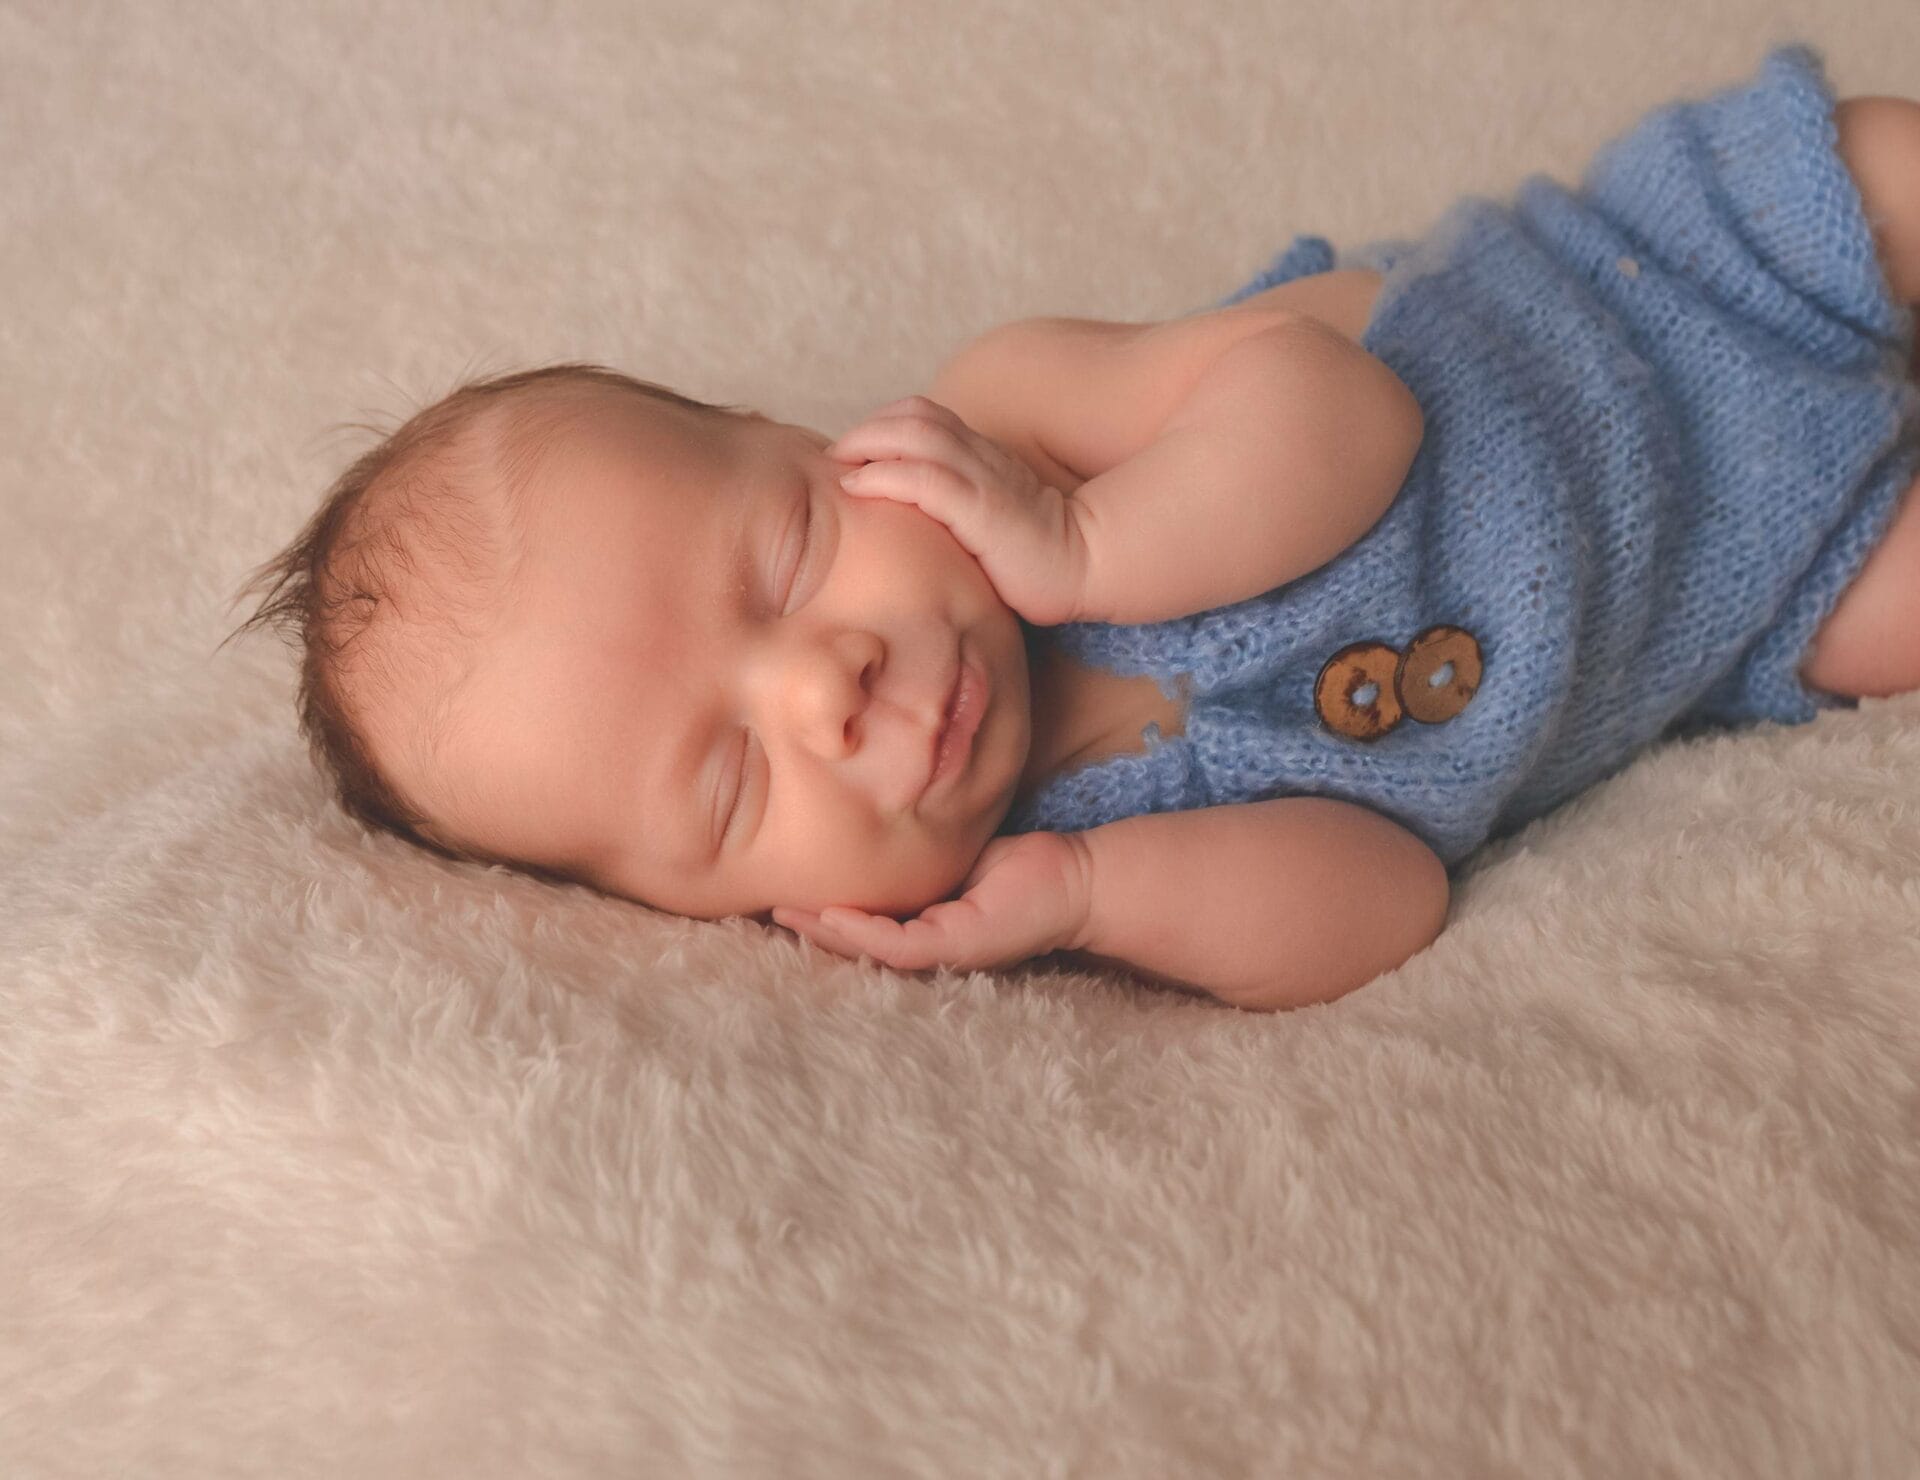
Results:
[1078, 927]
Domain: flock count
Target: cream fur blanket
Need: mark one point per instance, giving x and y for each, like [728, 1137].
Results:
[319, 1157]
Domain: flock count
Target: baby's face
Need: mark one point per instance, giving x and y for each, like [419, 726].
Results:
[718, 681]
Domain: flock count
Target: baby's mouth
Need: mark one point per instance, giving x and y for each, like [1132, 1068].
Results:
[952, 744]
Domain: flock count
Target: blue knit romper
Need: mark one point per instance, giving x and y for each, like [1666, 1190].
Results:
[1667, 418]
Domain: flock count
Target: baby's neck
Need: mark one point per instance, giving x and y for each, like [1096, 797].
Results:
[1082, 714]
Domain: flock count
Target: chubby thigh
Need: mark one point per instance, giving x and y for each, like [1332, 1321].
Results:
[1869, 644]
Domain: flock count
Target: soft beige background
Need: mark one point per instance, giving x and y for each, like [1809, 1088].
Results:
[321, 1157]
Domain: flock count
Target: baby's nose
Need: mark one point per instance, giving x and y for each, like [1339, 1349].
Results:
[828, 705]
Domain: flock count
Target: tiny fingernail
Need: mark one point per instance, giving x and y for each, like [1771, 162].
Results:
[852, 477]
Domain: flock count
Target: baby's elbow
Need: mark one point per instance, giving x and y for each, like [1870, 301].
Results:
[1385, 443]
[1407, 429]
[1421, 896]
[1409, 901]
[1413, 422]
[1433, 900]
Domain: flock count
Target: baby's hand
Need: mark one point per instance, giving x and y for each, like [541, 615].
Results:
[1027, 537]
[1027, 895]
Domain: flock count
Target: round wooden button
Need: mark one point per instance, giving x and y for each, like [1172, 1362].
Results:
[1439, 673]
[1355, 669]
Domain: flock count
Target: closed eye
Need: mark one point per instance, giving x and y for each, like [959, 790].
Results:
[739, 793]
[805, 544]
[802, 546]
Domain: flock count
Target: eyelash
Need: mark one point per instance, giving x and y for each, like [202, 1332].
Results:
[806, 546]
[739, 792]
[799, 564]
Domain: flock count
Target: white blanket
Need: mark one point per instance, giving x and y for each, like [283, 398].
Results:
[319, 1156]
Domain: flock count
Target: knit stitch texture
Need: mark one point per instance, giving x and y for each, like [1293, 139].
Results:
[1667, 418]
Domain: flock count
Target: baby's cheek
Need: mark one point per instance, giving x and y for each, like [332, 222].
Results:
[928, 871]
[887, 870]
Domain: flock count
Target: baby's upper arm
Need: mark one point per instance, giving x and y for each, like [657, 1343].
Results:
[1087, 394]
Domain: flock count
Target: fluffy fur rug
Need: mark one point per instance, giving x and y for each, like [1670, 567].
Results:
[319, 1157]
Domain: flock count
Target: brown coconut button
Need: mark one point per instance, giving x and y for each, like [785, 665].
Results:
[1439, 673]
[1365, 669]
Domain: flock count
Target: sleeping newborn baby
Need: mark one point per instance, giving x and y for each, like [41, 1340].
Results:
[1208, 647]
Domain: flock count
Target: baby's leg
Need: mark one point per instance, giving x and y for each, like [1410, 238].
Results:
[1880, 142]
[1870, 642]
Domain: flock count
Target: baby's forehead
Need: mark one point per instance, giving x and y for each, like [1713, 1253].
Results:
[604, 422]
[627, 493]
[569, 454]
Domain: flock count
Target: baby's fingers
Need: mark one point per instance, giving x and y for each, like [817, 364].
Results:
[808, 924]
[912, 945]
[898, 437]
[937, 491]
[945, 934]
[923, 408]
[904, 430]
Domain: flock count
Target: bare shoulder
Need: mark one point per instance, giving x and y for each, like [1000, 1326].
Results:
[1079, 396]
